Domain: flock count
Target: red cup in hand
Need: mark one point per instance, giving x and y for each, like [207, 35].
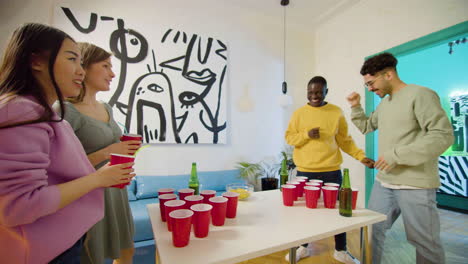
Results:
[120, 159]
[127, 137]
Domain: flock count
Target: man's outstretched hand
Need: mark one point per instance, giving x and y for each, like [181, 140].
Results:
[369, 163]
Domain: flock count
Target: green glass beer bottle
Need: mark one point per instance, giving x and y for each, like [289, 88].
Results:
[284, 170]
[193, 182]
[345, 195]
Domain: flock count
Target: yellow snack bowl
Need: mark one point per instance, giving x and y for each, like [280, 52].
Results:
[244, 189]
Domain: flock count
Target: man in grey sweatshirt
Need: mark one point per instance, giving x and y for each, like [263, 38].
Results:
[413, 131]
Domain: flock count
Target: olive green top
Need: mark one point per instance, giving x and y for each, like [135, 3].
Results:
[413, 131]
[115, 231]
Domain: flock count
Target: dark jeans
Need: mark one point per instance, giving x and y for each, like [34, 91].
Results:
[329, 176]
[71, 255]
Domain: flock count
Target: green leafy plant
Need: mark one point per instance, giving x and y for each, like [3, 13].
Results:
[268, 168]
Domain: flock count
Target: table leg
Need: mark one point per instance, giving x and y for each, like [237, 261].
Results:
[158, 261]
[364, 245]
[292, 255]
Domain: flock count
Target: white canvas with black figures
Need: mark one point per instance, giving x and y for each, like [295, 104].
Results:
[170, 84]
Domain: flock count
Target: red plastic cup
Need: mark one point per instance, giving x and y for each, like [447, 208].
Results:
[332, 184]
[170, 206]
[302, 178]
[218, 213]
[193, 199]
[296, 190]
[126, 137]
[162, 191]
[231, 209]
[311, 196]
[330, 195]
[185, 192]
[119, 159]
[207, 194]
[201, 219]
[355, 194]
[318, 181]
[302, 183]
[315, 184]
[289, 194]
[181, 225]
[162, 199]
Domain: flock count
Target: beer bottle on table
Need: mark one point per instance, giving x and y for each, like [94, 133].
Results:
[284, 170]
[193, 182]
[345, 195]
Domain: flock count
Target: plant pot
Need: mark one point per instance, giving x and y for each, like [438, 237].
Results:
[269, 184]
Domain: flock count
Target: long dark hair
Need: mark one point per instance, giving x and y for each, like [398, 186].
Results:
[16, 78]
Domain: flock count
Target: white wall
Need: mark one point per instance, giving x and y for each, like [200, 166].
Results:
[371, 26]
[255, 52]
[255, 63]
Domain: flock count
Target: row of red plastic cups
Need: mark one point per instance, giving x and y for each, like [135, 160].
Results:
[178, 216]
[187, 192]
[300, 182]
[312, 194]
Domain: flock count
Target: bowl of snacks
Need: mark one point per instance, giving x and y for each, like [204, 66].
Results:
[244, 189]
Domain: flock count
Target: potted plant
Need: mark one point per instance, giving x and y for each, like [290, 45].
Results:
[267, 170]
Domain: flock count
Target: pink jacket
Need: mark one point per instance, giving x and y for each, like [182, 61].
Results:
[33, 160]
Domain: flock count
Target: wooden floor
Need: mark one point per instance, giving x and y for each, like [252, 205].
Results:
[454, 235]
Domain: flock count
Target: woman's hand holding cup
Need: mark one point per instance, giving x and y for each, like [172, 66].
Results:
[124, 147]
[118, 174]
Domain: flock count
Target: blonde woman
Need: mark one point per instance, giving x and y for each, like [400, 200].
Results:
[99, 134]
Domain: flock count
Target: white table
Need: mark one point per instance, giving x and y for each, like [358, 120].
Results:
[263, 226]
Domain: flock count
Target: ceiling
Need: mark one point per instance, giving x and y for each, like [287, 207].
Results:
[306, 14]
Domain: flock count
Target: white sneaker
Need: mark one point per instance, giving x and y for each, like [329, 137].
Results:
[345, 257]
[301, 252]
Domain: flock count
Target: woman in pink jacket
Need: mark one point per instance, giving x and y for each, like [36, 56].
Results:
[50, 194]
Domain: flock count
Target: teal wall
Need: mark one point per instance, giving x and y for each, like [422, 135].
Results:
[445, 73]
[435, 68]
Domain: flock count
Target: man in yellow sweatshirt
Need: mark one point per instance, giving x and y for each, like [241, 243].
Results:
[318, 131]
[413, 131]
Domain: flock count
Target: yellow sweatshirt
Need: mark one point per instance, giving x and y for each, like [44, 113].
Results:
[321, 154]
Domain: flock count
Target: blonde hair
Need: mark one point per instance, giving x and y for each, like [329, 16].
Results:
[91, 54]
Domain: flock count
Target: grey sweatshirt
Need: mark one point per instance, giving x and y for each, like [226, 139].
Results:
[413, 131]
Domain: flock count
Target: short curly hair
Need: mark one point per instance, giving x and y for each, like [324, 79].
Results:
[319, 80]
[378, 63]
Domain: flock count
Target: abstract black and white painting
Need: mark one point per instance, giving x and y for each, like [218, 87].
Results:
[170, 84]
